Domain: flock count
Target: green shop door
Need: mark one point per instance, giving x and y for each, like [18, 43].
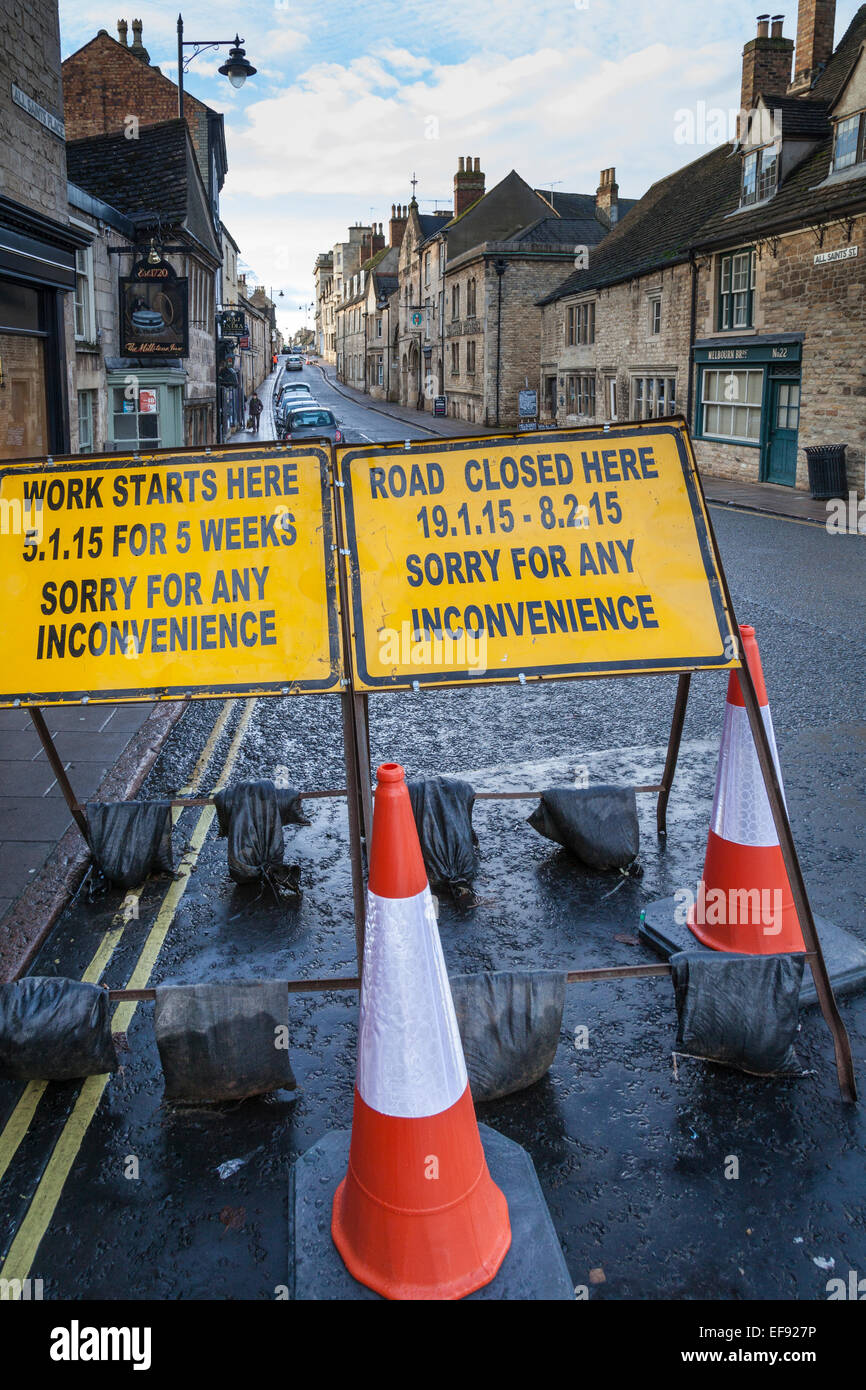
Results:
[781, 465]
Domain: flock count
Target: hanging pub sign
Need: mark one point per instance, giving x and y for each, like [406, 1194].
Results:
[154, 311]
[234, 324]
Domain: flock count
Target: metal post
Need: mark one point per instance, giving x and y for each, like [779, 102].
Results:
[673, 751]
[58, 769]
[817, 964]
[362, 728]
[180, 65]
[353, 802]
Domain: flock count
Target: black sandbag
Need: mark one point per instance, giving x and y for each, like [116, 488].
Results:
[442, 807]
[598, 824]
[53, 1029]
[130, 839]
[252, 816]
[221, 1041]
[741, 1011]
[509, 1022]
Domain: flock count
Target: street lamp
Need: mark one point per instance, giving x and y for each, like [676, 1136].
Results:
[236, 67]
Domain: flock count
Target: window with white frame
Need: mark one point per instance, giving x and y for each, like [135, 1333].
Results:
[85, 329]
[655, 314]
[653, 396]
[136, 417]
[580, 394]
[380, 370]
[849, 143]
[610, 397]
[760, 175]
[86, 411]
[731, 404]
[737, 289]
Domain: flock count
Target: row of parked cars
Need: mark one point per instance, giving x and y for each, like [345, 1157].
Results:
[297, 415]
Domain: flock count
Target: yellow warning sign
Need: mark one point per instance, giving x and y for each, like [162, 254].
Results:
[175, 574]
[552, 554]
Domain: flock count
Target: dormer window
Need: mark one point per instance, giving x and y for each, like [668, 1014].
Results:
[849, 146]
[760, 171]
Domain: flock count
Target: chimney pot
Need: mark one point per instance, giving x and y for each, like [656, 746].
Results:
[776, 26]
[123, 32]
[460, 165]
[477, 165]
[763, 26]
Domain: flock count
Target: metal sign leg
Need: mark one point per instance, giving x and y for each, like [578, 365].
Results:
[353, 802]
[58, 769]
[673, 752]
[823, 988]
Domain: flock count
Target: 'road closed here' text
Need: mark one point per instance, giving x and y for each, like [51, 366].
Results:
[184, 574]
[578, 555]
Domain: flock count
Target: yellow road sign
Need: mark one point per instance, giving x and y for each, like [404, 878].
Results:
[559, 553]
[177, 573]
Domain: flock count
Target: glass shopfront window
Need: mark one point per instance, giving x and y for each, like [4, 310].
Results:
[135, 418]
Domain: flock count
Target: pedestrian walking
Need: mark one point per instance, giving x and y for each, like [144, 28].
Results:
[256, 408]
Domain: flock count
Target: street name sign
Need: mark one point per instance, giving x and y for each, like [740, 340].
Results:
[554, 554]
[168, 575]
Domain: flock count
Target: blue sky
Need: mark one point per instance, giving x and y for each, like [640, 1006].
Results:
[350, 99]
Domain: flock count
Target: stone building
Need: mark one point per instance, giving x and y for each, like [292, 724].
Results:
[735, 292]
[325, 331]
[40, 249]
[470, 281]
[179, 401]
[332, 284]
[362, 317]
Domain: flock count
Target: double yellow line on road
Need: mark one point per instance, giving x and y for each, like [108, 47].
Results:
[29, 1235]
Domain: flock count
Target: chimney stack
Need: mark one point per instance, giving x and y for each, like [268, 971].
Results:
[137, 47]
[123, 32]
[816, 21]
[607, 198]
[468, 184]
[766, 64]
[397, 225]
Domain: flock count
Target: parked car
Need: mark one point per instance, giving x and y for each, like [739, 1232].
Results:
[311, 422]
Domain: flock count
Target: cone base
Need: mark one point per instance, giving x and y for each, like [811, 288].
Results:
[748, 897]
[533, 1267]
[418, 1215]
[844, 955]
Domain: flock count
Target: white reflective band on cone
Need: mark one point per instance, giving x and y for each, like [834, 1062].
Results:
[410, 1057]
[741, 807]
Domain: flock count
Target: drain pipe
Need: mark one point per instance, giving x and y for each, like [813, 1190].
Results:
[499, 266]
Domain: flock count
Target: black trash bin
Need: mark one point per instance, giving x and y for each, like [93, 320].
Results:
[827, 473]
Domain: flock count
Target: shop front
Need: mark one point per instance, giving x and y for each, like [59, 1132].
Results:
[145, 406]
[37, 267]
[747, 413]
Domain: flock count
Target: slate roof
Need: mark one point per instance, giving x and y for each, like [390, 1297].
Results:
[661, 226]
[831, 81]
[799, 116]
[386, 285]
[580, 205]
[146, 174]
[562, 231]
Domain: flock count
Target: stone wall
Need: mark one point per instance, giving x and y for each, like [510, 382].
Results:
[32, 158]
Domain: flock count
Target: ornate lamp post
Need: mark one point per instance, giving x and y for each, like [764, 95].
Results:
[236, 67]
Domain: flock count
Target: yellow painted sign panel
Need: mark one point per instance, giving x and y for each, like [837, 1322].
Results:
[175, 574]
[562, 553]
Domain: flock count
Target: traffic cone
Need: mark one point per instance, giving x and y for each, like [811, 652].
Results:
[418, 1215]
[745, 902]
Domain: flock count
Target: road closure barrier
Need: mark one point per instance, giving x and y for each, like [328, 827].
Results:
[555, 554]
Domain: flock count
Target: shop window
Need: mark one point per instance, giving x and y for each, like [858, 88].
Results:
[737, 290]
[731, 405]
[135, 418]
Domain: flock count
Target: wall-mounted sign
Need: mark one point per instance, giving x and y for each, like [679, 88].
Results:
[234, 323]
[39, 113]
[416, 320]
[844, 253]
[153, 311]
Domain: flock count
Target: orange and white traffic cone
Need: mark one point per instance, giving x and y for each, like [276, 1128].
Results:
[418, 1215]
[744, 902]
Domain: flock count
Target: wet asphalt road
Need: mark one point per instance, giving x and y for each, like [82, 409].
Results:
[631, 1159]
